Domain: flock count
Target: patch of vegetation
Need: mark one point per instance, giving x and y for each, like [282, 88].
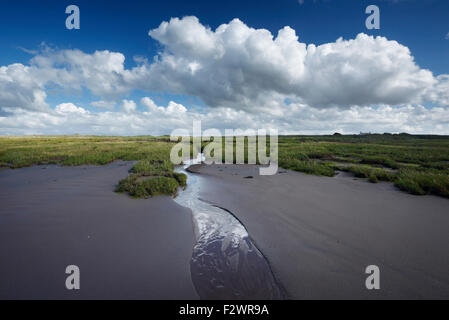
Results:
[127, 185]
[154, 186]
[146, 188]
[181, 178]
[422, 182]
[308, 166]
[380, 160]
[151, 167]
[374, 175]
[152, 178]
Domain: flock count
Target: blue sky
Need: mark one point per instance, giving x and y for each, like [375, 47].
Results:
[123, 25]
[30, 27]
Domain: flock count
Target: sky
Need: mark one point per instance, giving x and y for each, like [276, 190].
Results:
[299, 66]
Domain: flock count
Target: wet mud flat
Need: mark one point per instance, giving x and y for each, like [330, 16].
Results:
[52, 217]
[319, 234]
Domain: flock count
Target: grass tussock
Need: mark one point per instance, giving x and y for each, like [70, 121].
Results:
[151, 178]
[151, 187]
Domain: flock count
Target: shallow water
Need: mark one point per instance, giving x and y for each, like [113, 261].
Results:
[225, 262]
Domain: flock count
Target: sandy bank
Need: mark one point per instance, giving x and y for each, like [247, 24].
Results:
[319, 234]
[52, 217]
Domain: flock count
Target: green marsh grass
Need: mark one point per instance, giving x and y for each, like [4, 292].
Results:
[415, 164]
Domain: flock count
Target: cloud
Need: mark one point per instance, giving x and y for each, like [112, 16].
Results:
[234, 66]
[173, 108]
[69, 108]
[20, 88]
[447, 36]
[102, 72]
[439, 93]
[297, 119]
[69, 119]
[33, 52]
[149, 104]
[243, 76]
[240, 67]
[301, 2]
[103, 104]
[129, 106]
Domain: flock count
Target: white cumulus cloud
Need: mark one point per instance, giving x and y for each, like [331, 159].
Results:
[244, 68]
[69, 108]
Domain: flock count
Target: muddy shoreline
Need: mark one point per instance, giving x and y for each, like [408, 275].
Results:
[318, 234]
